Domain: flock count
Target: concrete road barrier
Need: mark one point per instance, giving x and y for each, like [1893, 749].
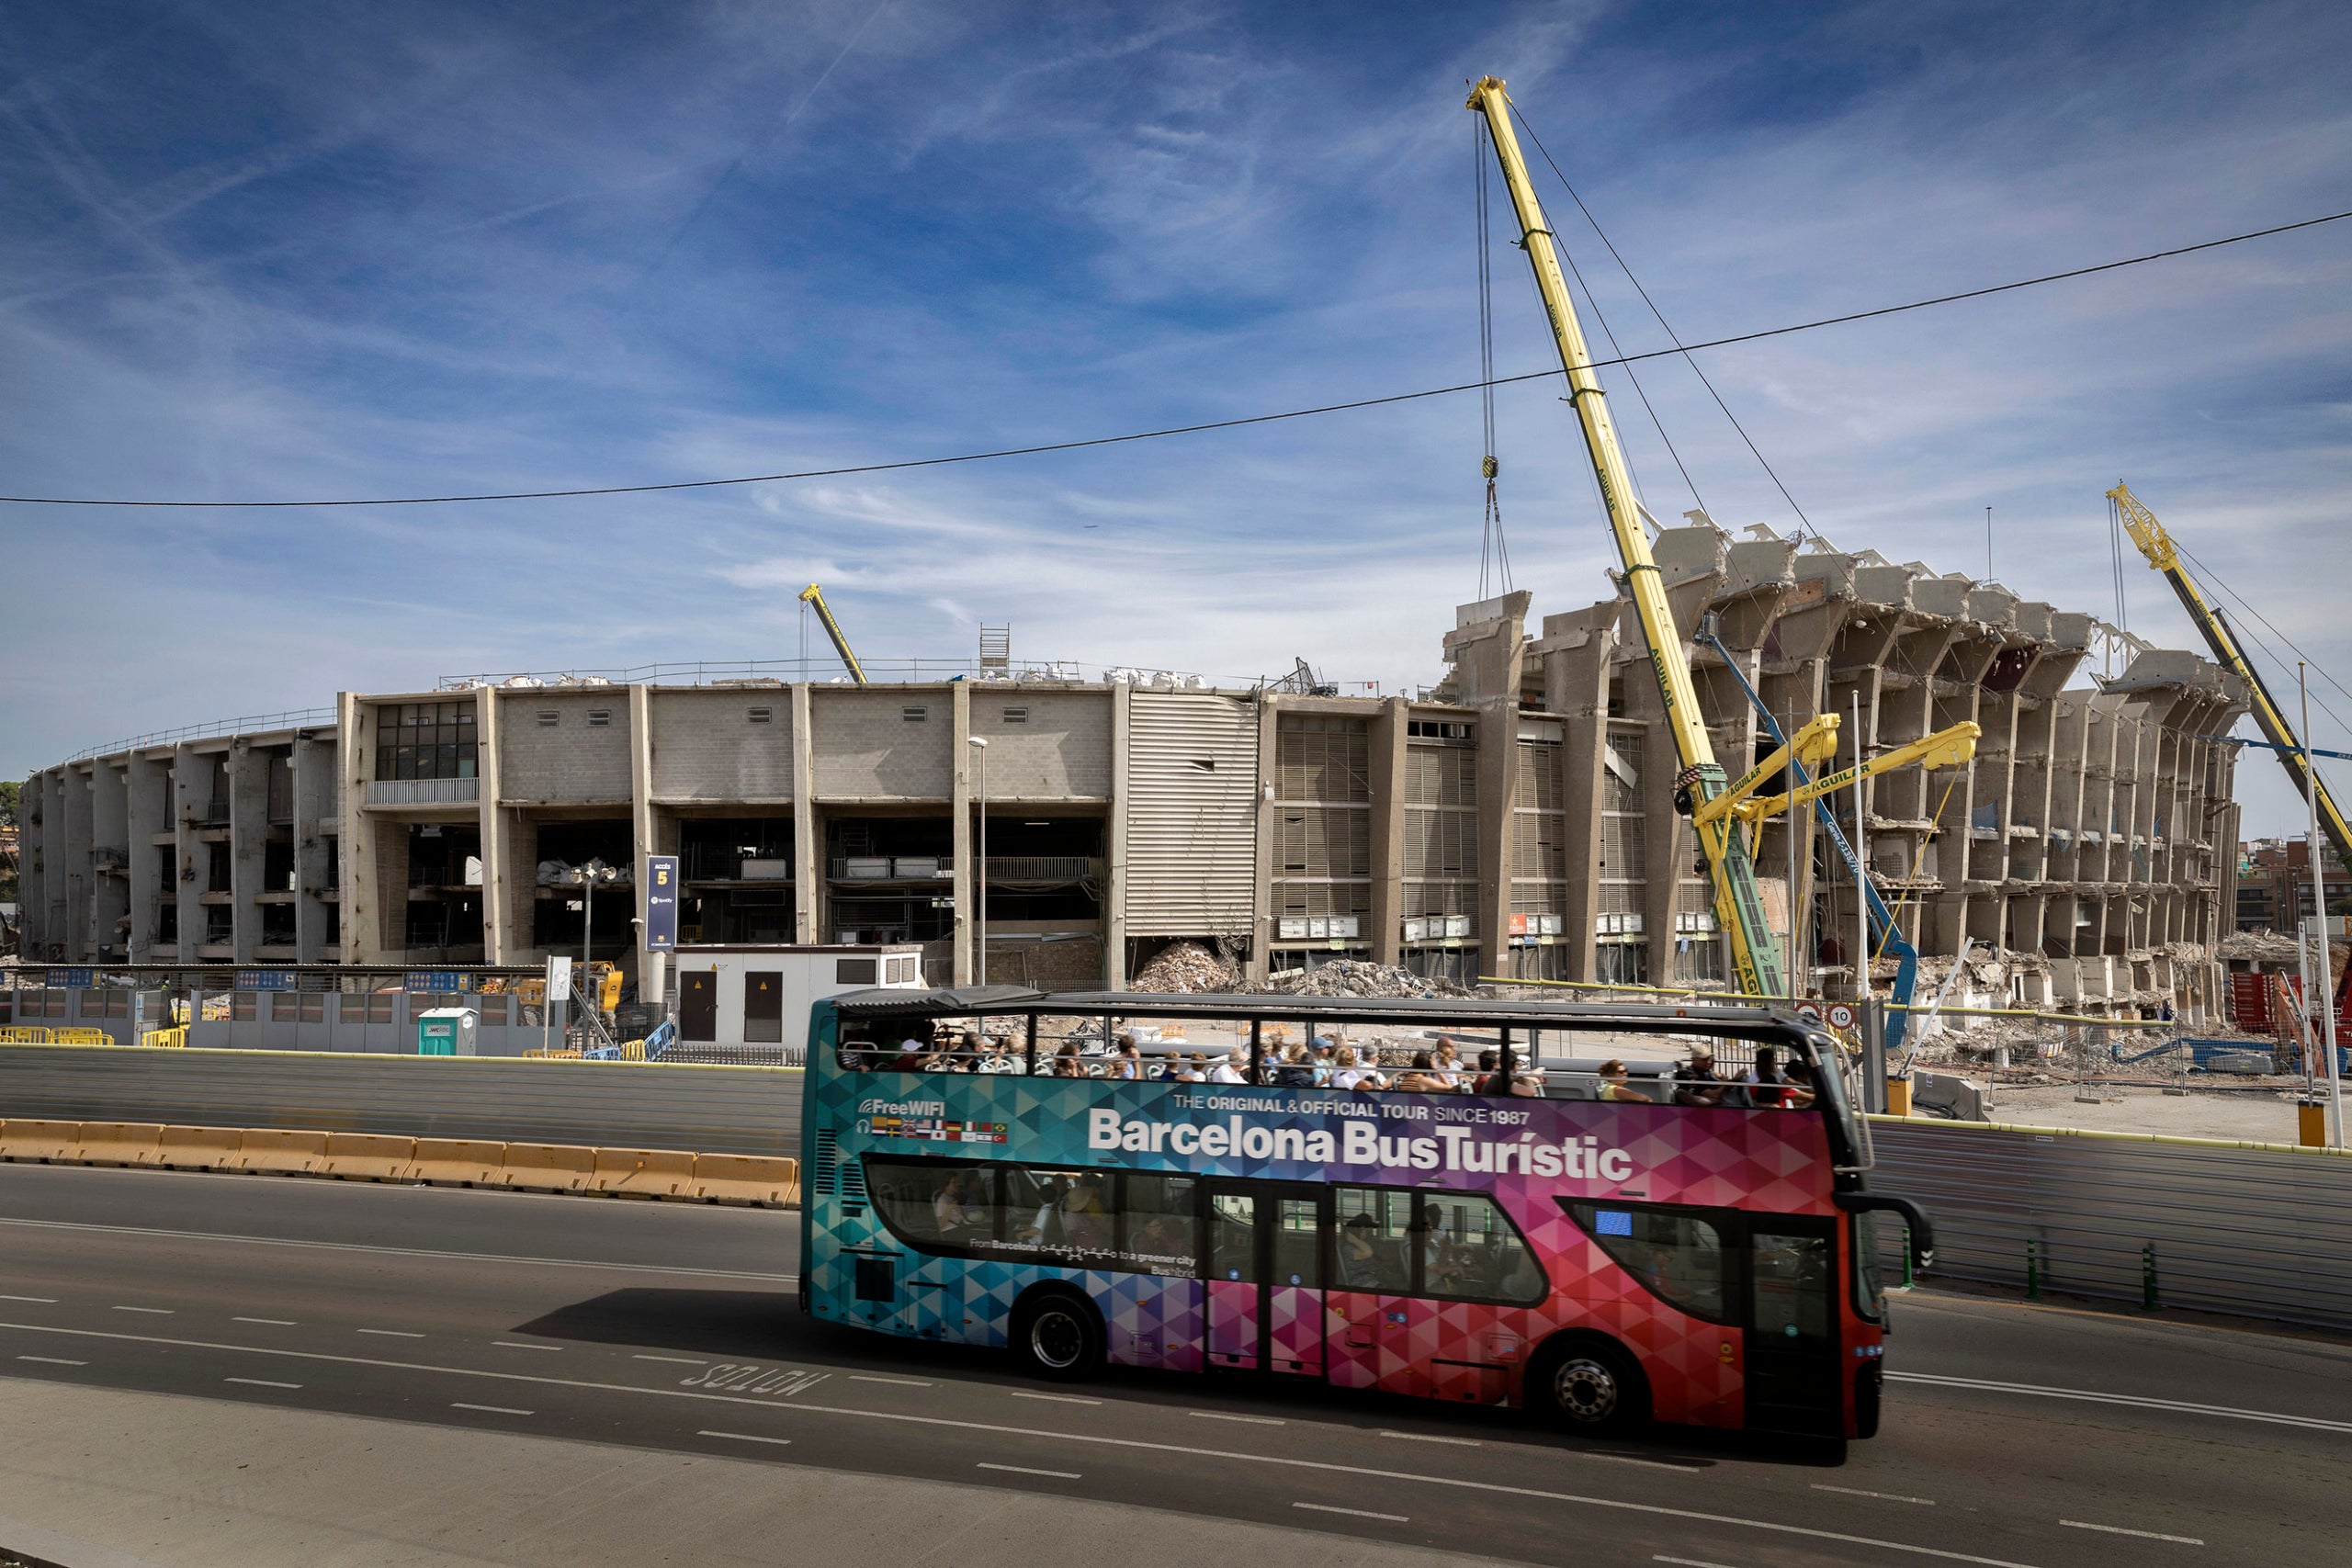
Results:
[548, 1167]
[39, 1140]
[747, 1178]
[457, 1162]
[367, 1156]
[198, 1148]
[119, 1143]
[643, 1173]
[274, 1153]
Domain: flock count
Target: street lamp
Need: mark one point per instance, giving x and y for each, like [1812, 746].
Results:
[587, 877]
[980, 788]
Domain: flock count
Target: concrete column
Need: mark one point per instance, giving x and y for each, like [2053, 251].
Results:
[967, 907]
[1497, 812]
[808, 833]
[318, 819]
[1115, 838]
[110, 852]
[149, 815]
[651, 965]
[71, 848]
[363, 898]
[1268, 825]
[191, 788]
[248, 779]
[1386, 761]
[498, 890]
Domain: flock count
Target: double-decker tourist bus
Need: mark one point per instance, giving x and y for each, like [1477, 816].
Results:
[1485, 1201]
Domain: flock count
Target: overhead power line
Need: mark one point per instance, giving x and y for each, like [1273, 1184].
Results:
[849, 469]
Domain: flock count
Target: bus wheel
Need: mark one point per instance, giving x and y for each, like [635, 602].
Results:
[1059, 1336]
[1589, 1386]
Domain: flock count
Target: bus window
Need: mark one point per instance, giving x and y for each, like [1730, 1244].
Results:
[1160, 1229]
[1790, 1277]
[1469, 1249]
[1870, 1289]
[952, 1205]
[1373, 1251]
[1233, 1236]
[1298, 1243]
[1679, 1258]
[1063, 1214]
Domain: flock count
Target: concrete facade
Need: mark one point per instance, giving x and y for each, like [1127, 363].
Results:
[1517, 820]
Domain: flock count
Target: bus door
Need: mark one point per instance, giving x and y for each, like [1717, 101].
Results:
[1795, 1379]
[1264, 1274]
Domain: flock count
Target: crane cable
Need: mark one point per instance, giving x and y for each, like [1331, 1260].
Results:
[1490, 536]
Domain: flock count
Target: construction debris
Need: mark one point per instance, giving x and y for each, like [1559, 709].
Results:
[1186, 968]
[2259, 947]
[1361, 978]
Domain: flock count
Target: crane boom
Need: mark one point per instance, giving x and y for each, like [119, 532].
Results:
[1739, 908]
[2294, 755]
[814, 596]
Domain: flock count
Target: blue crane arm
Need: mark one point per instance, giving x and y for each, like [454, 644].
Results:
[1890, 935]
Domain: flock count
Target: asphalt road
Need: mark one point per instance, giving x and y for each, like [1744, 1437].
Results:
[2014, 1435]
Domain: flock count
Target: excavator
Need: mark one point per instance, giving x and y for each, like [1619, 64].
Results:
[814, 597]
[2293, 754]
[1721, 809]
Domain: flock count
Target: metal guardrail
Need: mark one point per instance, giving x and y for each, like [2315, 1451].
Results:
[250, 723]
[2251, 1229]
[705, 1110]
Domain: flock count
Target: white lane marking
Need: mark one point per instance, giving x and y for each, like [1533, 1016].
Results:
[1025, 1469]
[401, 1251]
[45, 1301]
[389, 1333]
[273, 1322]
[1140, 1445]
[1685, 1562]
[1425, 1438]
[681, 1361]
[491, 1409]
[518, 1345]
[745, 1438]
[1629, 1459]
[1246, 1420]
[261, 1382]
[902, 1383]
[1055, 1398]
[2128, 1399]
[1882, 1497]
[1353, 1513]
[2144, 1535]
[152, 1311]
[54, 1360]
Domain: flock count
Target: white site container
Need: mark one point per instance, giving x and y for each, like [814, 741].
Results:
[760, 996]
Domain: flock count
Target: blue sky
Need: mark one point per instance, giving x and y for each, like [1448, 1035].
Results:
[326, 249]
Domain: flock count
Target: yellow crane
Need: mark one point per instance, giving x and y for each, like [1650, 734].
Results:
[1716, 805]
[814, 597]
[2294, 755]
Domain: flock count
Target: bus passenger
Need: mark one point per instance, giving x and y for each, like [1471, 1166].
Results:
[1359, 1259]
[1445, 1063]
[1767, 1089]
[1294, 1071]
[1129, 1065]
[1613, 1087]
[1489, 1080]
[1086, 1223]
[1325, 1063]
[912, 1050]
[1698, 1083]
[1348, 1074]
[1196, 1071]
[1528, 1086]
[1421, 1078]
[1799, 1088]
[1235, 1068]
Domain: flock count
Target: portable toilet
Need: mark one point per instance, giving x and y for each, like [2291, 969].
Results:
[445, 1031]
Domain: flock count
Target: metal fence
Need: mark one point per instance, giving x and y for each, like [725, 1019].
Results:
[2261, 1232]
[707, 1110]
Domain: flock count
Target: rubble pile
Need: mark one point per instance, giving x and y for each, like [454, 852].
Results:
[1186, 968]
[2259, 947]
[1361, 978]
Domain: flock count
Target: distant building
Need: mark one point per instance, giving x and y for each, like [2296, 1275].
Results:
[1517, 820]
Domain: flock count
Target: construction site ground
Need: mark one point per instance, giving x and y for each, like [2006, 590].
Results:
[2238, 1114]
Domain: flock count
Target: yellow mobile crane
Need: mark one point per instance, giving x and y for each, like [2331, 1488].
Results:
[814, 596]
[1715, 805]
[2157, 545]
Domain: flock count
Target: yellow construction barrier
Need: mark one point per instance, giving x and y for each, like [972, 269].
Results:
[643, 1173]
[747, 1178]
[174, 1038]
[367, 1156]
[119, 1143]
[272, 1153]
[39, 1140]
[198, 1148]
[548, 1167]
[24, 1034]
[456, 1162]
[75, 1035]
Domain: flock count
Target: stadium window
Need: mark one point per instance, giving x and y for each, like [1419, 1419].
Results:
[426, 741]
